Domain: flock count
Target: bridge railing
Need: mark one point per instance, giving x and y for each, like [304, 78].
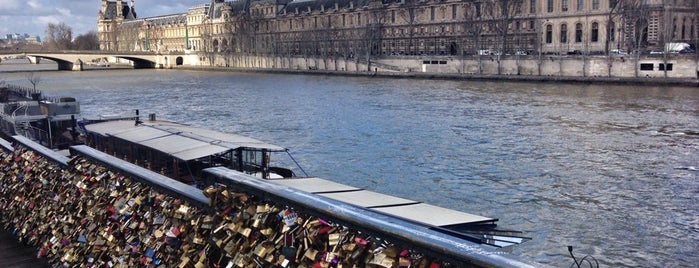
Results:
[162, 221]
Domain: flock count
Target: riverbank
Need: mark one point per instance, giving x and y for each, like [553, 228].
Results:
[644, 81]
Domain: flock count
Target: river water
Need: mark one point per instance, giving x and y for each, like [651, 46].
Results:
[609, 170]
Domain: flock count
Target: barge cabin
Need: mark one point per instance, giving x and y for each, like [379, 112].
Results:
[181, 151]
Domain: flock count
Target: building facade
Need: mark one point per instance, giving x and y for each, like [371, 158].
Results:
[383, 28]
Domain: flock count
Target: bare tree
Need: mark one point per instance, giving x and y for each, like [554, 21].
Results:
[207, 49]
[243, 29]
[473, 26]
[501, 14]
[87, 41]
[113, 36]
[33, 79]
[667, 31]
[635, 14]
[373, 32]
[408, 12]
[58, 36]
[613, 15]
[129, 36]
[326, 37]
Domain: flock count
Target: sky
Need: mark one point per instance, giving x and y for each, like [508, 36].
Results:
[32, 16]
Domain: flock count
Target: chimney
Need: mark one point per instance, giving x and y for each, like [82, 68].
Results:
[119, 8]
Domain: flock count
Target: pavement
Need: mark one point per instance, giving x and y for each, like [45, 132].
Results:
[14, 254]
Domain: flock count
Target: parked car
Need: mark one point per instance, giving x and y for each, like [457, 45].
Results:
[618, 51]
[490, 52]
[656, 52]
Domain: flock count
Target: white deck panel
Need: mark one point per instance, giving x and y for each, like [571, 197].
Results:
[315, 185]
[433, 215]
[173, 144]
[200, 152]
[110, 127]
[368, 199]
[221, 138]
[139, 134]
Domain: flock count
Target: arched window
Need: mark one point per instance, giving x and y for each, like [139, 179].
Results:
[549, 34]
[578, 32]
[594, 33]
[224, 45]
[564, 33]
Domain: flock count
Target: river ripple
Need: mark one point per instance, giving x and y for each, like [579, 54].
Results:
[610, 170]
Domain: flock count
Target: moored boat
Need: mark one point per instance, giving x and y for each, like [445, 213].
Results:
[185, 153]
[48, 121]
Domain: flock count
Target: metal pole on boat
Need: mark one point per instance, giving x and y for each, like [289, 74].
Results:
[48, 119]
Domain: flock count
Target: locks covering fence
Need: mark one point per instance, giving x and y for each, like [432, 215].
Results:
[88, 214]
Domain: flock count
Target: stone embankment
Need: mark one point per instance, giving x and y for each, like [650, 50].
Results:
[644, 81]
[653, 70]
[669, 69]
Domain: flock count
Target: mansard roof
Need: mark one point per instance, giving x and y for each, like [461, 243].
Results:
[326, 4]
[127, 12]
[200, 8]
[217, 7]
[167, 19]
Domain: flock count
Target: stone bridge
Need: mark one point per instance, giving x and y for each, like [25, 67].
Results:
[75, 60]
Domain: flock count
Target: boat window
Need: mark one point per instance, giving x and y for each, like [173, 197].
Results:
[252, 161]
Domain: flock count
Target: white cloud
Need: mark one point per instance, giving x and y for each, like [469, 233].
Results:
[64, 12]
[43, 21]
[10, 6]
[33, 4]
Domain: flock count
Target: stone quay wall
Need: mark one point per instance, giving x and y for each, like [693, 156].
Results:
[670, 67]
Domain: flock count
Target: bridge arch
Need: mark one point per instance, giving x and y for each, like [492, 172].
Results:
[74, 60]
[139, 63]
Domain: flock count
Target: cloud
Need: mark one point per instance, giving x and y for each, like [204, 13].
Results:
[43, 21]
[10, 6]
[33, 4]
[64, 12]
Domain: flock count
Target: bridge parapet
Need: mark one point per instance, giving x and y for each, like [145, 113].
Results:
[75, 60]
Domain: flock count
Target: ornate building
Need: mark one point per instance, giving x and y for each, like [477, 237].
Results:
[372, 28]
[109, 20]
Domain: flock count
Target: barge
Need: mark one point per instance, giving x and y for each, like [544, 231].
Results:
[49, 121]
[187, 153]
